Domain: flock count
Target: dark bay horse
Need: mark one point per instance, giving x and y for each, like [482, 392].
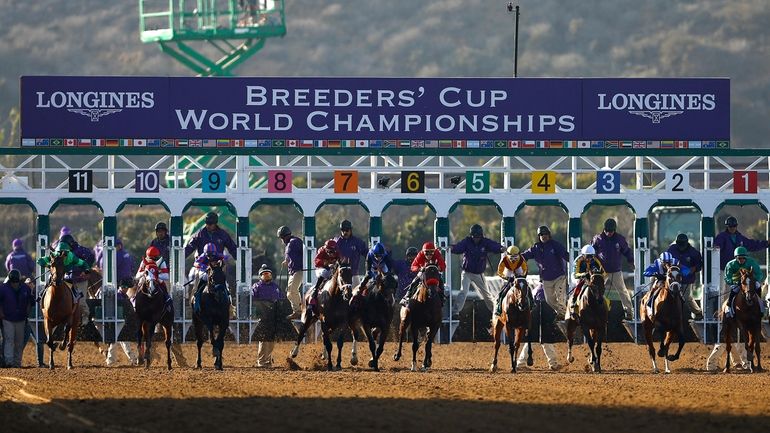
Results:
[424, 311]
[333, 312]
[214, 312]
[376, 314]
[59, 308]
[748, 318]
[514, 320]
[592, 319]
[667, 316]
[150, 307]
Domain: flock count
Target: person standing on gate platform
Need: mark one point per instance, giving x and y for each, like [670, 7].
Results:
[292, 259]
[162, 242]
[20, 260]
[403, 270]
[552, 259]
[475, 249]
[730, 239]
[15, 300]
[211, 234]
[611, 247]
[124, 265]
[351, 249]
[693, 260]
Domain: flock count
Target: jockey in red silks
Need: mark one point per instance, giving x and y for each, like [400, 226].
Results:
[156, 270]
[429, 255]
[326, 259]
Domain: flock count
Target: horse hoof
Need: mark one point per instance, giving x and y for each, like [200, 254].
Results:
[726, 370]
[672, 357]
[493, 368]
[414, 367]
[354, 360]
[396, 357]
[330, 368]
[372, 364]
[570, 359]
[424, 368]
[218, 368]
[530, 362]
[655, 371]
[661, 353]
[513, 370]
[295, 351]
[668, 371]
[338, 368]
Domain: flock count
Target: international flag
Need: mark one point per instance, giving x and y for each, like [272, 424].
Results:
[487, 144]
[362, 143]
[709, 144]
[640, 144]
[306, 143]
[626, 144]
[182, 143]
[375, 143]
[655, 144]
[529, 144]
[723, 144]
[112, 143]
[681, 144]
[126, 142]
[611, 144]
[221, 142]
[42, 142]
[141, 142]
[209, 143]
[167, 142]
[667, 144]
[583, 144]
[57, 142]
[404, 143]
[196, 143]
[70, 142]
[569, 144]
[597, 144]
[84, 142]
[556, 144]
[445, 144]
[279, 143]
[389, 143]
[514, 144]
[696, 144]
[333, 143]
[291, 143]
[153, 142]
[431, 144]
[264, 143]
[472, 144]
[458, 143]
[418, 143]
[501, 144]
[26, 142]
[237, 143]
[541, 144]
[98, 142]
[320, 143]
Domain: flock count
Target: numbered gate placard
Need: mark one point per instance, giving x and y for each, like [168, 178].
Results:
[81, 181]
[477, 182]
[678, 181]
[608, 182]
[345, 181]
[147, 181]
[214, 181]
[279, 181]
[412, 182]
[745, 182]
[543, 182]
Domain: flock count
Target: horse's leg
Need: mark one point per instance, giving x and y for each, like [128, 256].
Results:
[648, 327]
[354, 346]
[415, 345]
[665, 343]
[198, 338]
[49, 330]
[749, 346]
[73, 334]
[148, 329]
[497, 327]
[65, 336]
[220, 343]
[515, 344]
[591, 345]
[327, 345]
[340, 343]
[372, 348]
[728, 330]
[309, 320]
[428, 360]
[401, 332]
[381, 339]
[167, 330]
[571, 326]
[599, 333]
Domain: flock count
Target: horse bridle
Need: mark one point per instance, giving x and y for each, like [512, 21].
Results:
[341, 284]
[521, 284]
[674, 272]
[748, 282]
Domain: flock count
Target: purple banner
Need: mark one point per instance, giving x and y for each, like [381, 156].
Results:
[257, 108]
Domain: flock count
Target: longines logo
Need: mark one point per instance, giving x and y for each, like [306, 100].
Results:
[657, 106]
[96, 105]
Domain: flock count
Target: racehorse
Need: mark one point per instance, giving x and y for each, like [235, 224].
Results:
[424, 311]
[376, 314]
[592, 318]
[214, 311]
[333, 312]
[515, 320]
[59, 308]
[150, 307]
[667, 316]
[747, 317]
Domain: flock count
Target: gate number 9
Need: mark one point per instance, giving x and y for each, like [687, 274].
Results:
[214, 181]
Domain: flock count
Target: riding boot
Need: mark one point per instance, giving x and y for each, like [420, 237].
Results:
[500, 297]
[313, 296]
[730, 302]
[441, 293]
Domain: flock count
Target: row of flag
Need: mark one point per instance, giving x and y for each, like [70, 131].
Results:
[436, 144]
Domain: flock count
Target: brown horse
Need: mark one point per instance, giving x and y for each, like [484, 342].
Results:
[515, 320]
[59, 308]
[376, 314]
[150, 307]
[667, 316]
[424, 311]
[747, 317]
[592, 319]
[213, 312]
[333, 312]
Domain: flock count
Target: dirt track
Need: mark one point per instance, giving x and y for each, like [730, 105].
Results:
[457, 395]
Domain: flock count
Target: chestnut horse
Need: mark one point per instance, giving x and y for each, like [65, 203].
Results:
[515, 320]
[424, 311]
[592, 319]
[333, 312]
[667, 316]
[150, 307]
[747, 317]
[59, 308]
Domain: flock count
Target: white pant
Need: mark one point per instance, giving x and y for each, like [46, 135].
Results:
[127, 349]
[13, 344]
[292, 291]
[615, 281]
[466, 278]
[548, 350]
[265, 353]
[737, 354]
[555, 292]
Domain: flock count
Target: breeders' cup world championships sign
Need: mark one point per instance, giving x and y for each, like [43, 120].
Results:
[375, 112]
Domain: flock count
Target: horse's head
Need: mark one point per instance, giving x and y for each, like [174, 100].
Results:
[748, 285]
[57, 266]
[519, 292]
[217, 280]
[596, 283]
[431, 277]
[344, 279]
[674, 278]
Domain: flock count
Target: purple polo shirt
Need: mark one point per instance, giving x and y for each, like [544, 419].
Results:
[691, 258]
[475, 255]
[218, 237]
[293, 254]
[21, 261]
[267, 291]
[15, 303]
[352, 249]
[551, 258]
[611, 249]
[727, 244]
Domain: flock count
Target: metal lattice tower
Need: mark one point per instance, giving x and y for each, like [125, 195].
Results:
[233, 30]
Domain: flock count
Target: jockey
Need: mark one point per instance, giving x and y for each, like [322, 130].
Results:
[658, 270]
[156, 269]
[378, 260]
[512, 265]
[733, 277]
[70, 262]
[326, 260]
[587, 261]
[428, 256]
[199, 271]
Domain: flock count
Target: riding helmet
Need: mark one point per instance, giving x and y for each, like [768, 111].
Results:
[741, 252]
[346, 225]
[731, 221]
[543, 230]
[428, 246]
[152, 253]
[378, 249]
[283, 231]
[68, 239]
[513, 250]
[587, 250]
[161, 226]
[210, 249]
[666, 257]
[212, 218]
[330, 245]
[411, 252]
[610, 225]
[476, 231]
